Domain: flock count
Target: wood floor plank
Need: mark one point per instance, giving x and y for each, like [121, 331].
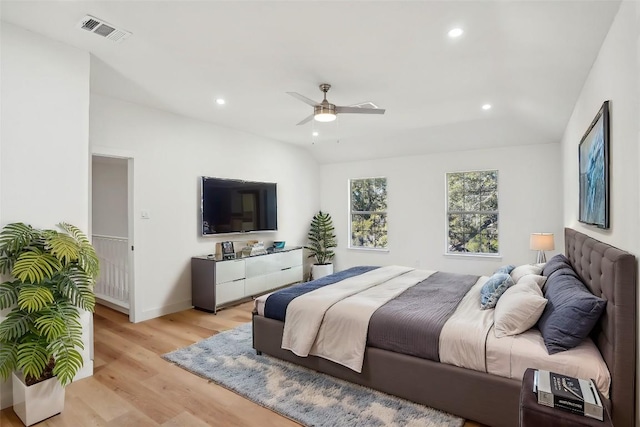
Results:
[8, 418]
[133, 386]
[104, 402]
[185, 419]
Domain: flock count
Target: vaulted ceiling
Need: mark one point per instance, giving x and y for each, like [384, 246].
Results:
[528, 59]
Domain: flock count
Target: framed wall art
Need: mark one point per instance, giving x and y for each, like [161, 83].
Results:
[593, 160]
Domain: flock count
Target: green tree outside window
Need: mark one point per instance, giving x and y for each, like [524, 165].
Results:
[368, 213]
[472, 212]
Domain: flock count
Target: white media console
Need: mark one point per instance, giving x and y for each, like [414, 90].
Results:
[216, 282]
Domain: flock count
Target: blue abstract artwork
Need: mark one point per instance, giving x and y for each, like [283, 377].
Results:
[594, 171]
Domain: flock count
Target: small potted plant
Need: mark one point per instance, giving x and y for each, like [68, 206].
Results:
[52, 278]
[322, 241]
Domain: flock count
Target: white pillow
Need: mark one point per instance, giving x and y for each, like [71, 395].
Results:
[539, 280]
[518, 309]
[523, 270]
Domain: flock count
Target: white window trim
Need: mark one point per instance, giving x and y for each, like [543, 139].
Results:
[497, 255]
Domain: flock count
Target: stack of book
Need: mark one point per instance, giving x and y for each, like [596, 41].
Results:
[571, 394]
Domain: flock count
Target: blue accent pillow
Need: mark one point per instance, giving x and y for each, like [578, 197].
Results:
[571, 312]
[493, 289]
[554, 264]
[505, 269]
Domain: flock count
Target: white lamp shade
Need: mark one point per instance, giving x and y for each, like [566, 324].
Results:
[542, 242]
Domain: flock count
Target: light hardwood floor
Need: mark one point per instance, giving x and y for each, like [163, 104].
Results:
[133, 386]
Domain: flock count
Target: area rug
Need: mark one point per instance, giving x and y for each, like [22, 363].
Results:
[303, 395]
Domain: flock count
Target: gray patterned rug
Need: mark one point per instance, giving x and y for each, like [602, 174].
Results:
[303, 395]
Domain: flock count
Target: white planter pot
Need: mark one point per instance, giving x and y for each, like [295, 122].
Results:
[321, 270]
[37, 402]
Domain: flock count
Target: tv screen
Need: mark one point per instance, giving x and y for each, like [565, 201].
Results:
[234, 206]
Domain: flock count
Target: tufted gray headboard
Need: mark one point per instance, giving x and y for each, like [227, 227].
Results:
[610, 273]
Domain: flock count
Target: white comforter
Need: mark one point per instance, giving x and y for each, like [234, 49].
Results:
[332, 322]
[306, 312]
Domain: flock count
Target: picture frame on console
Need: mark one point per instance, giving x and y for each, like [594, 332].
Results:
[227, 250]
[593, 158]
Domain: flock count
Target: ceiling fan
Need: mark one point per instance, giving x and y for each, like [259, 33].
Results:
[326, 112]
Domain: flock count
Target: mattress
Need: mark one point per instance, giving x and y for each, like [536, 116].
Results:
[259, 302]
[510, 356]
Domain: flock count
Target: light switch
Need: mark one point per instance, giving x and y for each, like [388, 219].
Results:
[144, 214]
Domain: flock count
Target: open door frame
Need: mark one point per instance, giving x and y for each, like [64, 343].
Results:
[128, 155]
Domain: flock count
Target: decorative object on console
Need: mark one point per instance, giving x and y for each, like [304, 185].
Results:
[227, 250]
[594, 171]
[541, 242]
[278, 245]
[258, 249]
[53, 274]
[322, 241]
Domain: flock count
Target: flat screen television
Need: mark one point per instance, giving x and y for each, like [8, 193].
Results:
[235, 206]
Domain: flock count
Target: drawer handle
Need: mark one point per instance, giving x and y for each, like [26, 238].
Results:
[237, 280]
[288, 268]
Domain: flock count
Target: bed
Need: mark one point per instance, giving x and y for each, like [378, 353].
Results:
[490, 399]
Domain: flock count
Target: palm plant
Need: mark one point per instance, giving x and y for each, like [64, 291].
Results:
[52, 277]
[321, 238]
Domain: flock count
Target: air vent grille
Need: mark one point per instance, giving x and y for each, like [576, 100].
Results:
[90, 24]
[367, 104]
[101, 28]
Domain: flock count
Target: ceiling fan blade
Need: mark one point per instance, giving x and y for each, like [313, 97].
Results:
[305, 120]
[359, 110]
[303, 98]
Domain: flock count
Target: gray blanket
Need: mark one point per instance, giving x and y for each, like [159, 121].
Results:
[411, 322]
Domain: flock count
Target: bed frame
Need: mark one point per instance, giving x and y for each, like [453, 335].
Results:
[607, 271]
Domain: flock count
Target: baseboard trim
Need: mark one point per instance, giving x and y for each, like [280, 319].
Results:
[167, 309]
[112, 305]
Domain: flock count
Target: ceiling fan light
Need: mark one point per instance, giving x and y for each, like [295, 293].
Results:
[325, 117]
[324, 112]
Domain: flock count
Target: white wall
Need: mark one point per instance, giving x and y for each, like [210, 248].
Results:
[109, 191]
[615, 76]
[45, 145]
[170, 154]
[530, 200]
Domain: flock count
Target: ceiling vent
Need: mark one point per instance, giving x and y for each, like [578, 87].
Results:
[101, 28]
[367, 104]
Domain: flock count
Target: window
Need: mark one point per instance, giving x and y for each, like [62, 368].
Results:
[368, 213]
[472, 212]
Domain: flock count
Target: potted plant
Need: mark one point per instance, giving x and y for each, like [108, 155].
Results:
[52, 275]
[322, 241]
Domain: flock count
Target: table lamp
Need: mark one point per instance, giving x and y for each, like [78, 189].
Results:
[541, 242]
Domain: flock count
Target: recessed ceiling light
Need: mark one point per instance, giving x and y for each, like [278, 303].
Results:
[456, 32]
[220, 101]
[315, 133]
[486, 107]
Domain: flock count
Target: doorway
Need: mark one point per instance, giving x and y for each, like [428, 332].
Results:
[112, 231]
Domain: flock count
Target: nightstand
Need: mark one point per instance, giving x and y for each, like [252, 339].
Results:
[533, 414]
